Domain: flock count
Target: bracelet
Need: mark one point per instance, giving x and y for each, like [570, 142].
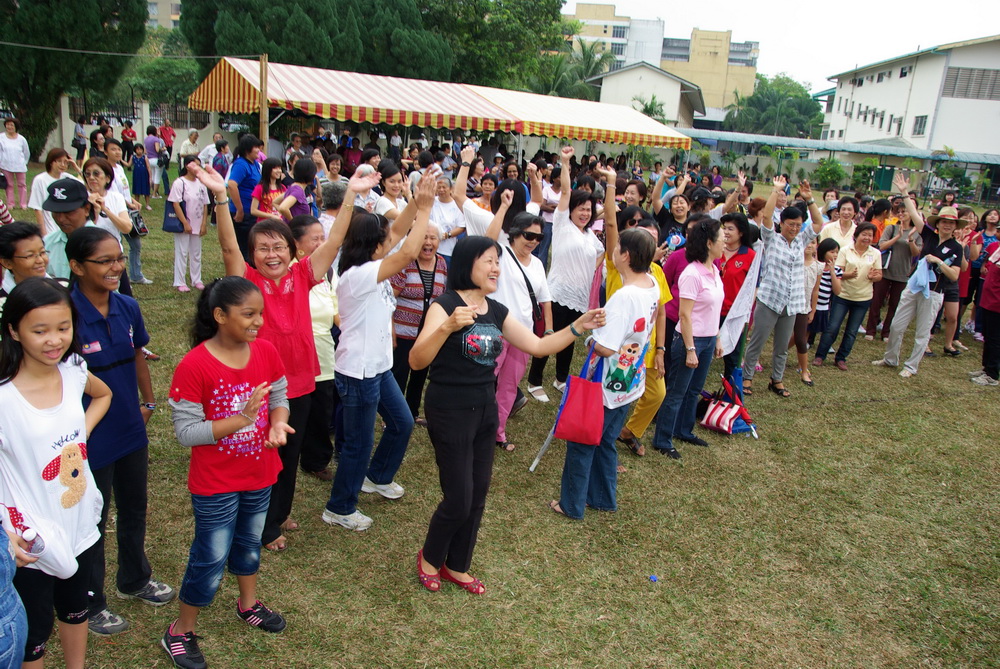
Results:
[226, 201]
[811, 201]
[573, 330]
[661, 348]
[691, 348]
[149, 405]
[252, 420]
[548, 332]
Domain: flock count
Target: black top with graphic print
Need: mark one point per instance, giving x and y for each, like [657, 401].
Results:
[462, 373]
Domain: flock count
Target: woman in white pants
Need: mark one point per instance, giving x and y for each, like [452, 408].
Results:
[194, 217]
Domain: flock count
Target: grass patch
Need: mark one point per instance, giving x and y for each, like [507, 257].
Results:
[860, 530]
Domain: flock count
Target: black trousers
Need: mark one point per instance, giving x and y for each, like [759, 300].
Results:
[283, 490]
[126, 478]
[561, 317]
[317, 449]
[464, 444]
[411, 381]
[991, 343]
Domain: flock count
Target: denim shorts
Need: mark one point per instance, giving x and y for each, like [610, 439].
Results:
[227, 529]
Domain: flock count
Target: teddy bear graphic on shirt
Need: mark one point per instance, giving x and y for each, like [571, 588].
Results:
[69, 468]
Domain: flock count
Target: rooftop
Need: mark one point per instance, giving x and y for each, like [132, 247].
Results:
[933, 49]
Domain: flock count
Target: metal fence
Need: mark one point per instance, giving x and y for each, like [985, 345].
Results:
[116, 112]
[179, 115]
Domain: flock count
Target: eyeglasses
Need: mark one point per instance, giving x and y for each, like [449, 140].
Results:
[278, 248]
[95, 173]
[34, 256]
[107, 262]
[532, 236]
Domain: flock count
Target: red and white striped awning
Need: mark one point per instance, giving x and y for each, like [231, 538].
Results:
[233, 86]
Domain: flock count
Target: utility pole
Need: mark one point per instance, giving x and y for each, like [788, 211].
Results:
[264, 125]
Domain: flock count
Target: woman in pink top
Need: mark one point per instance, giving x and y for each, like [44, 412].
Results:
[695, 340]
[287, 319]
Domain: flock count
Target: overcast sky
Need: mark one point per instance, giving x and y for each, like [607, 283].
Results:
[813, 41]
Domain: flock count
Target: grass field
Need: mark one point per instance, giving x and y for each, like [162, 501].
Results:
[860, 530]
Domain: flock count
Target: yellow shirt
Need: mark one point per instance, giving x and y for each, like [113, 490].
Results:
[860, 288]
[614, 282]
[832, 230]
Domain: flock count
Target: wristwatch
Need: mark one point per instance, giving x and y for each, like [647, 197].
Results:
[149, 405]
[691, 348]
[661, 348]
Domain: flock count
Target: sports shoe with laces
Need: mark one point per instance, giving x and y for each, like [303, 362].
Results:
[153, 593]
[356, 521]
[183, 649]
[106, 623]
[978, 372]
[390, 490]
[261, 617]
[985, 380]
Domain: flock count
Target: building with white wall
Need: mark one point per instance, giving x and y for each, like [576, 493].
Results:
[680, 98]
[947, 95]
[630, 40]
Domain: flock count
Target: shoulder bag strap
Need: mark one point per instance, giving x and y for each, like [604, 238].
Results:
[536, 310]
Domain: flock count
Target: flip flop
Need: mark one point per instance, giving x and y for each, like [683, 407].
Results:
[555, 508]
[633, 444]
[277, 545]
[506, 446]
[289, 525]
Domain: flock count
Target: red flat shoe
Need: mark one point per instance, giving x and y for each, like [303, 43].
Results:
[474, 587]
[430, 581]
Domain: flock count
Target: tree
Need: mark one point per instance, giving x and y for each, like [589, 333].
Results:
[653, 108]
[155, 79]
[778, 106]
[496, 42]
[559, 76]
[325, 34]
[864, 173]
[33, 79]
[829, 174]
[591, 59]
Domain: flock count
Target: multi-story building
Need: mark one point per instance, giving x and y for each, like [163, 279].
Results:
[631, 40]
[947, 95]
[164, 13]
[713, 61]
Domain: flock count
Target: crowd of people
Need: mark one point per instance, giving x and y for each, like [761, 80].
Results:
[416, 288]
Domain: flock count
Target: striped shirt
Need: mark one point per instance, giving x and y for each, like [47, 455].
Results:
[412, 299]
[826, 289]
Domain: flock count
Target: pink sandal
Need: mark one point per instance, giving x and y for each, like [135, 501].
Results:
[430, 581]
[475, 586]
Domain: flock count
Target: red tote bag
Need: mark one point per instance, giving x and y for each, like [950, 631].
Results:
[581, 412]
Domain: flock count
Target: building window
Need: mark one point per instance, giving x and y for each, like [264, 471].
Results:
[891, 119]
[840, 134]
[824, 134]
[919, 125]
[839, 100]
[874, 114]
[619, 32]
[972, 83]
[605, 30]
[617, 65]
[851, 113]
[175, 8]
[152, 8]
[176, 23]
[881, 78]
[152, 23]
[618, 49]
[905, 71]
[881, 120]
[899, 127]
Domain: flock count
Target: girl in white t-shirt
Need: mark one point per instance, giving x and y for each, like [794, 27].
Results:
[364, 356]
[45, 482]
[576, 251]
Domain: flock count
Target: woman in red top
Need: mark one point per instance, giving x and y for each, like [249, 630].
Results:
[289, 323]
[737, 256]
[128, 142]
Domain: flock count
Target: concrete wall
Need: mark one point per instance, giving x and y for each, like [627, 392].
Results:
[645, 41]
[708, 66]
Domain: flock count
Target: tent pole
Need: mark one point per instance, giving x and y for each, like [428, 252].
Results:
[264, 134]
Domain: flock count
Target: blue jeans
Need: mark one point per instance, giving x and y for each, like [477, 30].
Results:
[590, 473]
[361, 399]
[134, 257]
[542, 250]
[227, 529]
[855, 313]
[13, 621]
[684, 384]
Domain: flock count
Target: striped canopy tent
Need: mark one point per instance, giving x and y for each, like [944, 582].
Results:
[233, 86]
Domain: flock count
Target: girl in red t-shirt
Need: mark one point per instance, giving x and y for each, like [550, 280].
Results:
[229, 403]
[269, 192]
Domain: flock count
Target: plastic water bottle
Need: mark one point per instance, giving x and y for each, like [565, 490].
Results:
[35, 544]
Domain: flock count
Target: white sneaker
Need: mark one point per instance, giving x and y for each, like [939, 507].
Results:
[984, 380]
[862, 330]
[390, 490]
[356, 521]
[880, 363]
[905, 374]
[978, 372]
[538, 393]
[559, 385]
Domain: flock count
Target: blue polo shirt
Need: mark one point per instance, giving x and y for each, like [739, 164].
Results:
[109, 346]
[246, 175]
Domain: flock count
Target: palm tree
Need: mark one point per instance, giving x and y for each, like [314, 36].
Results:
[653, 108]
[558, 75]
[591, 59]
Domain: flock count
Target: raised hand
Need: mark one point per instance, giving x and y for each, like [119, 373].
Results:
[780, 183]
[608, 174]
[213, 180]
[566, 153]
[741, 177]
[805, 189]
[252, 406]
[359, 184]
[468, 154]
[532, 171]
[901, 183]
[507, 197]
[425, 189]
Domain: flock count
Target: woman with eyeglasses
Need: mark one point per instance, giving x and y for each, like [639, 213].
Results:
[56, 163]
[112, 212]
[288, 322]
[22, 254]
[111, 331]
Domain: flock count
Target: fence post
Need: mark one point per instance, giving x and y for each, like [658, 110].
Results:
[144, 117]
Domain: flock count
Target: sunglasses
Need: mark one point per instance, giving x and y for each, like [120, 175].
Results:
[532, 236]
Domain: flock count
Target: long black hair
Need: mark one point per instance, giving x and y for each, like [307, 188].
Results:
[517, 205]
[229, 291]
[32, 293]
[364, 235]
[266, 168]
